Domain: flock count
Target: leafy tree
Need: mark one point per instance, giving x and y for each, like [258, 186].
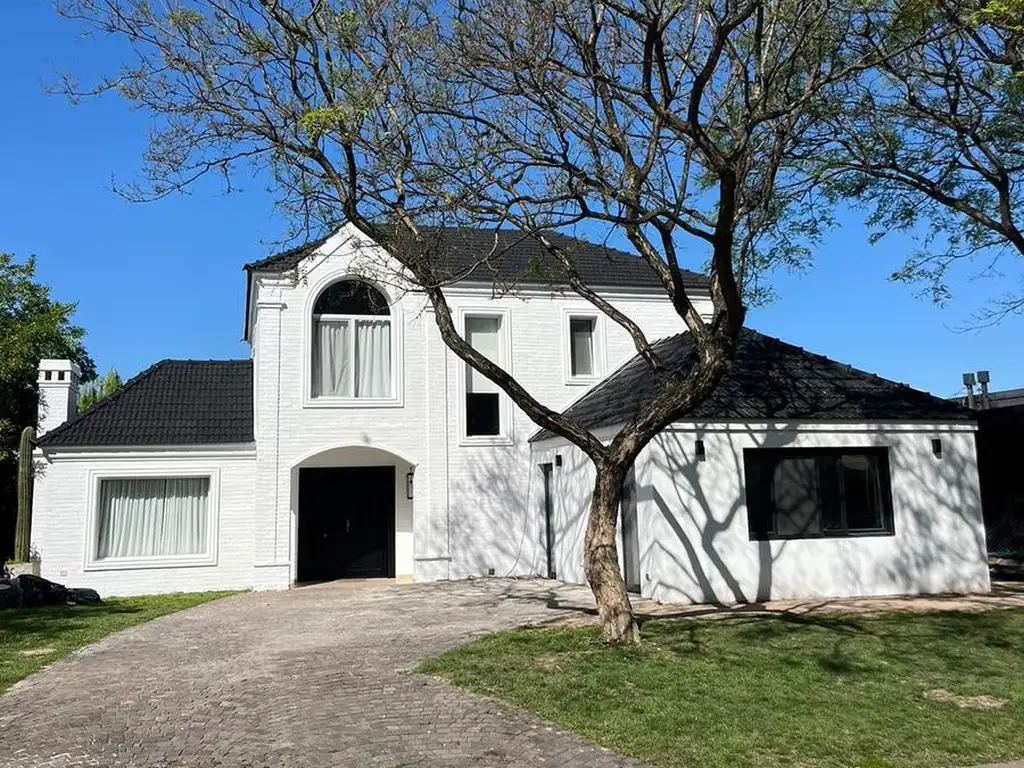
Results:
[671, 124]
[100, 389]
[932, 142]
[32, 326]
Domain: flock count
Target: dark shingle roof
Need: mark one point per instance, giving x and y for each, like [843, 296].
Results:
[768, 380]
[174, 402]
[519, 259]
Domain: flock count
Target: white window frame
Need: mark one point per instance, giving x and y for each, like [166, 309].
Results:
[600, 358]
[397, 354]
[504, 436]
[208, 558]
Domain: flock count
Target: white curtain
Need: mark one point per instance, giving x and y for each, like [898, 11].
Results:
[373, 358]
[581, 339]
[153, 517]
[332, 358]
[482, 333]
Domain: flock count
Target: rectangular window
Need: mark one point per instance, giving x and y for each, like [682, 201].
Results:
[581, 346]
[483, 401]
[351, 357]
[153, 517]
[807, 493]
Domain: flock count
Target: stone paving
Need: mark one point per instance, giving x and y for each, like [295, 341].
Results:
[318, 677]
[309, 678]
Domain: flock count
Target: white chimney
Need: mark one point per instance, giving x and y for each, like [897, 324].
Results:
[58, 393]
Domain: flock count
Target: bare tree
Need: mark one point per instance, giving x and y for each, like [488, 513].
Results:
[932, 141]
[671, 123]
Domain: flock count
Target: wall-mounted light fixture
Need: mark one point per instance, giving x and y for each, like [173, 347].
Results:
[698, 449]
[408, 482]
[937, 448]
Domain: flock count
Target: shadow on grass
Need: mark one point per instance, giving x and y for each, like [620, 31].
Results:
[936, 639]
[62, 618]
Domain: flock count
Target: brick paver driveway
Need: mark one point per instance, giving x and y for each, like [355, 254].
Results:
[308, 678]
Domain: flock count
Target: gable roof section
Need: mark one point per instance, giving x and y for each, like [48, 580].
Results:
[173, 402]
[769, 380]
[521, 259]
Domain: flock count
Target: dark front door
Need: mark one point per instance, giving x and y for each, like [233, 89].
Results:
[346, 523]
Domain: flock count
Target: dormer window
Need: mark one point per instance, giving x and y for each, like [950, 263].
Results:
[352, 355]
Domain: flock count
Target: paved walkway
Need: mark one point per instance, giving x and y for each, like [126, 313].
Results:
[309, 678]
[316, 677]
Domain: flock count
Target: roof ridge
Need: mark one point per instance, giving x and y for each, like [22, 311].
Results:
[304, 249]
[114, 396]
[817, 379]
[847, 366]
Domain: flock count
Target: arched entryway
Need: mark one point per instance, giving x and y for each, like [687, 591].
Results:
[354, 517]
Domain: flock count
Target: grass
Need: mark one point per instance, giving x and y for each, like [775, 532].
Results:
[779, 690]
[31, 638]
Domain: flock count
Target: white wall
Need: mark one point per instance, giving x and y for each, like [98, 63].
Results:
[472, 509]
[694, 536]
[65, 495]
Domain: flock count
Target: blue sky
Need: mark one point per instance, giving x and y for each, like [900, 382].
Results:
[165, 279]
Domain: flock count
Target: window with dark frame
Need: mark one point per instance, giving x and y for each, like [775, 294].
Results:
[795, 493]
[483, 402]
[581, 346]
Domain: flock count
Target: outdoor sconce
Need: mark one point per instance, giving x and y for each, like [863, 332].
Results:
[699, 450]
[937, 448]
[408, 482]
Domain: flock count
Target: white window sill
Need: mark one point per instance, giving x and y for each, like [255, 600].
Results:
[351, 402]
[485, 440]
[134, 563]
[582, 381]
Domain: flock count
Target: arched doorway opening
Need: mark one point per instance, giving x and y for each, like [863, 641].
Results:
[353, 515]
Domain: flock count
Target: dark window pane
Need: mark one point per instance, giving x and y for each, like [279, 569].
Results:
[861, 492]
[351, 297]
[482, 416]
[757, 469]
[817, 491]
[795, 496]
[829, 494]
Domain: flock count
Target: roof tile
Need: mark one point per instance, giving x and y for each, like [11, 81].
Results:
[768, 380]
[461, 253]
[174, 402]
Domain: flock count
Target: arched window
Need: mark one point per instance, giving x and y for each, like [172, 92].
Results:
[352, 343]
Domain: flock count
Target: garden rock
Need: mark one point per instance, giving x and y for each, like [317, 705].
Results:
[83, 596]
[37, 591]
[10, 595]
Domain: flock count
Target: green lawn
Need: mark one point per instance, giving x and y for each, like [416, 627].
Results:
[31, 638]
[780, 690]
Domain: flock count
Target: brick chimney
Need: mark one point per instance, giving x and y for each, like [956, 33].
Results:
[58, 393]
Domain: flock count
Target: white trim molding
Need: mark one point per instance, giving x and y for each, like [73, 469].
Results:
[505, 411]
[132, 471]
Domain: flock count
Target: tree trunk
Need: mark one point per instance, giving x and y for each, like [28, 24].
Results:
[601, 558]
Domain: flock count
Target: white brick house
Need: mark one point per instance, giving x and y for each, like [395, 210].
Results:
[354, 443]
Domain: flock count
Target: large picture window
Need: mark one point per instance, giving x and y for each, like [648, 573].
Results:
[153, 517]
[807, 493]
[352, 344]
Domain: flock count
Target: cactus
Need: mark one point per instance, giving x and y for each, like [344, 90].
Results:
[23, 530]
